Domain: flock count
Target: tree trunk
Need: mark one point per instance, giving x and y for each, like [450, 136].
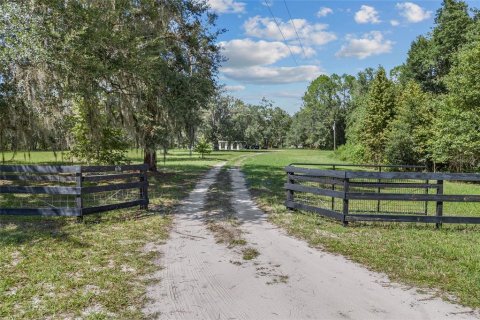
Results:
[191, 139]
[150, 158]
[164, 155]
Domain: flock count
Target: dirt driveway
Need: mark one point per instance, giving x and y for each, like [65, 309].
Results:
[200, 278]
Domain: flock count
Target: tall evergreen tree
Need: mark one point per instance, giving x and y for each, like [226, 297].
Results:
[420, 65]
[451, 25]
[430, 57]
[379, 111]
[410, 131]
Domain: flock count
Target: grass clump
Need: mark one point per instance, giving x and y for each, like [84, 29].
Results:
[250, 253]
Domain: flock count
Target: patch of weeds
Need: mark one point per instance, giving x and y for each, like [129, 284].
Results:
[250, 253]
[271, 271]
[218, 204]
[239, 242]
[225, 233]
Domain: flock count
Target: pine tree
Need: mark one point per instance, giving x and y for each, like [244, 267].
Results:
[420, 65]
[203, 147]
[380, 109]
[450, 33]
[409, 132]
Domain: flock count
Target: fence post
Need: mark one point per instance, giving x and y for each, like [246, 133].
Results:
[144, 188]
[378, 189]
[333, 188]
[78, 197]
[439, 211]
[426, 202]
[346, 184]
[290, 193]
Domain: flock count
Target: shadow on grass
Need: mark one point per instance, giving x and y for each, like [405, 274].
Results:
[29, 230]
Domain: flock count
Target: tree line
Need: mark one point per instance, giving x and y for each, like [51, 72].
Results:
[230, 119]
[425, 111]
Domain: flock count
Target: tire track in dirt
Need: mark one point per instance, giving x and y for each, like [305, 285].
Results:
[189, 288]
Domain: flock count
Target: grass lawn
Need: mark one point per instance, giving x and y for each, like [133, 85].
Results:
[57, 268]
[415, 254]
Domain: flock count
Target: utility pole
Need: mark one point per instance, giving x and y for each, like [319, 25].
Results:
[334, 135]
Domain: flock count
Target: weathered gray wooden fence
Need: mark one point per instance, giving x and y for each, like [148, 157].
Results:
[379, 196]
[73, 187]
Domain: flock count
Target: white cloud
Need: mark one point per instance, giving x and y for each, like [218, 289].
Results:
[247, 52]
[234, 88]
[394, 23]
[226, 6]
[273, 75]
[265, 28]
[369, 44]
[250, 61]
[289, 94]
[413, 12]
[367, 14]
[324, 11]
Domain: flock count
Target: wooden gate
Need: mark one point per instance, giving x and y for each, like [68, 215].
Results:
[71, 190]
[352, 195]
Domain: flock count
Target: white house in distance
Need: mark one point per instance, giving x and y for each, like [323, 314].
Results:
[233, 145]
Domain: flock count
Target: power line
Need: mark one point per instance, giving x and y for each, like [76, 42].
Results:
[279, 29]
[295, 28]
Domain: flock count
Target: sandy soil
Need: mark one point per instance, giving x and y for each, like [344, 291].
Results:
[202, 279]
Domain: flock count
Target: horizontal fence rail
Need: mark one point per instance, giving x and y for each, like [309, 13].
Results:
[31, 190]
[399, 193]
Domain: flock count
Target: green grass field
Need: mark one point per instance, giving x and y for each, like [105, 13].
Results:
[55, 267]
[173, 157]
[415, 254]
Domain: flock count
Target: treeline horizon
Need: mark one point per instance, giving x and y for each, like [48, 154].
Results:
[96, 79]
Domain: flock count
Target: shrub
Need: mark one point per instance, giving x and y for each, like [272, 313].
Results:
[95, 140]
[203, 147]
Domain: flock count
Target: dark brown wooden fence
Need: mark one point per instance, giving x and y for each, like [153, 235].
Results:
[354, 195]
[30, 190]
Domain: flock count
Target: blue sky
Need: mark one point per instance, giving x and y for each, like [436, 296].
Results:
[333, 37]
